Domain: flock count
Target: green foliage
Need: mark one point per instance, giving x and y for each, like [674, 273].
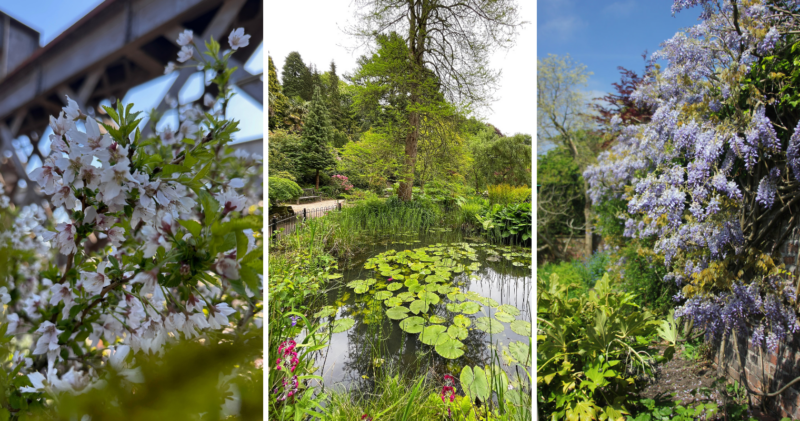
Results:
[315, 152]
[510, 223]
[296, 77]
[642, 273]
[372, 161]
[278, 102]
[505, 194]
[376, 215]
[674, 411]
[499, 159]
[590, 350]
[282, 190]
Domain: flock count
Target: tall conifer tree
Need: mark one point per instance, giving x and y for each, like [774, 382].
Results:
[317, 133]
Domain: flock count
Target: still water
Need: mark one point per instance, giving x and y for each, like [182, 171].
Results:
[376, 343]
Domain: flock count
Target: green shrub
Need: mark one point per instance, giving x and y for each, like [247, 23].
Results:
[282, 190]
[642, 272]
[511, 223]
[504, 194]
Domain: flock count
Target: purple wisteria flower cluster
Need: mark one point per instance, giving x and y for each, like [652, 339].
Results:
[705, 169]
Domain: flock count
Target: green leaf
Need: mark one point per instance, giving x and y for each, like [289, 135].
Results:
[394, 286]
[342, 325]
[457, 332]
[521, 327]
[193, 227]
[170, 169]
[419, 306]
[241, 243]
[504, 317]
[474, 383]
[382, 295]
[450, 348]
[508, 308]
[434, 335]
[521, 352]
[397, 313]
[412, 324]
[469, 307]
[203, 172]
[489, 325]
[461, 321]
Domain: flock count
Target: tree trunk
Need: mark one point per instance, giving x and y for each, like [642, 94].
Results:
[587, 212]
[317, 185]
[410, 161]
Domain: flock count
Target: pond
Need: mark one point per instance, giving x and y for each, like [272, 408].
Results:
[413, 304]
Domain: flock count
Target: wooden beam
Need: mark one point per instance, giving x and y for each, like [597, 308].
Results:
[145, 61]
[87, 88]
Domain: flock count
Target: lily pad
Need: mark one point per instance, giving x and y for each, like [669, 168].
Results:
[521, 327]
[469, 307]
[461, 321]
[453, 307]
[406, 296]
[450, 348]
[502, 316]
[382, 295]
[412, 324]
[393, 302]
[443, 289]
[397, 313]
[434, 335]
[521, 352]
[343, 324]
[326, 311]
[411, 282]
[415, 289]
[419, 306]
[436, 319]
[429, 297]
[394, 286]
[457, 332]
[508, 308]
[489, 325]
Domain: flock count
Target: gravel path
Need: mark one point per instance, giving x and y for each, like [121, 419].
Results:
[313, 205]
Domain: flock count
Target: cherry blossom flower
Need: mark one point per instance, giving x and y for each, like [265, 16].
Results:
[169, 68]
[45, 175]
[94, 282]
[185, 54]
[64, 238]
[49, 339]
[237, 39]
[185, 38]
[218, 315]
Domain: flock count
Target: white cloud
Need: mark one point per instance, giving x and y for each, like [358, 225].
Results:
[562, 27]
[620, 8]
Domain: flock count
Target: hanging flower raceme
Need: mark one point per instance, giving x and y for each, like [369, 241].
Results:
[287, 356]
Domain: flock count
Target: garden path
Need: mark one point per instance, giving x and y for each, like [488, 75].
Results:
[322, 204]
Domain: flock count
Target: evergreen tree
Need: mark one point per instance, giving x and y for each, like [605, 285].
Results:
[278, 103]
[295, 76]
[317, 133]
[334, 100]
[311, 81]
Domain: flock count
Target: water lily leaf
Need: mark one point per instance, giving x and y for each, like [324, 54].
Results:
[500, 315]
[454, 307]
[429, 297]
[394, 286]
[469, 307]
[410, 283]
[443, 289]
[335, 276]
[508, 308]
[419, 306]
[398, 276]
[436, 319]
[474, 383]
[415, 289]
[382, 295]
[457, 332]
[370, 281]
[353, 284]
[521, 352]
[434, 278]
[360, 289]
[462, 321]
[490, 302]
[416, 267]
[393, 302]
[489, 325]
[397, 313]
[343, 324]
[521, 327]
[434, 335]
[472, 295]
[450, 348]
[412, 324]
[406, 296]
[326, 311]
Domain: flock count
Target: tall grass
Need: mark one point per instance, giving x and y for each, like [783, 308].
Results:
[378, 216]
[393, 398]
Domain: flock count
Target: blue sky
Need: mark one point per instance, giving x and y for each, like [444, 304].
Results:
[606, 34]
[59, 15]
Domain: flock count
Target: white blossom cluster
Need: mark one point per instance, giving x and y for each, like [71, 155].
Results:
[120, 211]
